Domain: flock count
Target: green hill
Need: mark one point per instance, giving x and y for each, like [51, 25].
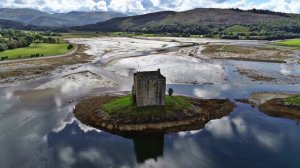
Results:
[7, 24]
[224, 23]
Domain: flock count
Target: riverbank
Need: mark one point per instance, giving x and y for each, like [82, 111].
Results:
[91, 112]
[281, 105]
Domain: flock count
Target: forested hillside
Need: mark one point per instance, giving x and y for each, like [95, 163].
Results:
[223, 23]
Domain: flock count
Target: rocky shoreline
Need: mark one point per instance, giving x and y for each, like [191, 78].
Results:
[277, 108]
[89, 112]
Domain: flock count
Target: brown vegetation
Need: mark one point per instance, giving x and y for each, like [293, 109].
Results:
[254, 75]
[278, 108]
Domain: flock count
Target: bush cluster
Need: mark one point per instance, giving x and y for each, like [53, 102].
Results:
[11, 39]
[36, 55]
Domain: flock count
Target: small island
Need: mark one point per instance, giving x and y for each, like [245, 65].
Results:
[283, 107]
[148, 110]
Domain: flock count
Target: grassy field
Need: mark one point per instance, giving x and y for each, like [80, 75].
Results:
[36, 48]
[294, 100]
[292, 42]
[237, 29]
[124, 107]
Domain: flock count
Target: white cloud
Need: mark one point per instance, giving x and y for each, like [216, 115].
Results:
[291, 6]
[66, 155]
[126, 6]
[145, 6]
[102, 5]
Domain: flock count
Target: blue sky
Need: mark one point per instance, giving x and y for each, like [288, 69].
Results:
[146, 6]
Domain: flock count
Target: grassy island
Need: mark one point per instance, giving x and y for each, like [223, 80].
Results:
[123, 107]
[285, 108]
[117, 114]
[294, 100]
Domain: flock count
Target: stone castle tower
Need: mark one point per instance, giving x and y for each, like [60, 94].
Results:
[149, 89]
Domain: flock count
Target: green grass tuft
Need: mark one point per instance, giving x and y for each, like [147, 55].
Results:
[118, 104]
[237, 29]
[294, 100]
[177, 103]
[123, 107]
[292, 42]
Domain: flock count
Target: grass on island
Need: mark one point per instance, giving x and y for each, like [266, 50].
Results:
[294, 100]
[292, 42]
[123, 107]
[227, 48]
[235, 29]
[36, 48]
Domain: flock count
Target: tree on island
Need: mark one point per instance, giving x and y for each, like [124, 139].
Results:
[170, 91]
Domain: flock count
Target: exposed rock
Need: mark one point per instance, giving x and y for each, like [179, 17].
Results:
[277, 108]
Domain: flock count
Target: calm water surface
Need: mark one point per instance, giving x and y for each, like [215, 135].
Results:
[38, 129]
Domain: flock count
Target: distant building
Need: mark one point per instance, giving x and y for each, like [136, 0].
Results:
[149, 89]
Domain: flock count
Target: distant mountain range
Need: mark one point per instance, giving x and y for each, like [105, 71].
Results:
[9, 24]
[39, 18]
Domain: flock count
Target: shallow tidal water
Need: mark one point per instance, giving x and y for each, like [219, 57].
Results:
[38, 128]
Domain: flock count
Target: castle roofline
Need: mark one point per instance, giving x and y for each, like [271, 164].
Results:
[150, 74]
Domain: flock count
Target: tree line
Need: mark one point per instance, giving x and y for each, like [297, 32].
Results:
[11, 38]
[272, 30]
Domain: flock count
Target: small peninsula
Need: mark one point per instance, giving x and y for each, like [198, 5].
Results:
[148, 110]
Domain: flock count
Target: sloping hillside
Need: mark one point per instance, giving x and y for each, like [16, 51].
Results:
[7, 24]
[84, 18]
[220, 23]
[200, 16]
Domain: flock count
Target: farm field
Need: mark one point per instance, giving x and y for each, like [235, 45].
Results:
[36, 48]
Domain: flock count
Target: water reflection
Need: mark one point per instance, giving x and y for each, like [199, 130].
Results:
[78, 147]
[38, 129]
[47, 135]
[230, 90]
[245, 138]
[73, 147]
[148, 147]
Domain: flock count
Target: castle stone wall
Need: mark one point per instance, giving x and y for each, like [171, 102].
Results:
[149, 89]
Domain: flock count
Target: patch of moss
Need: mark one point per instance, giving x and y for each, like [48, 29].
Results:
[227, 48]
[124, 107]
[294, 100]
[177, 103]
[237, 29]
[291, 42]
